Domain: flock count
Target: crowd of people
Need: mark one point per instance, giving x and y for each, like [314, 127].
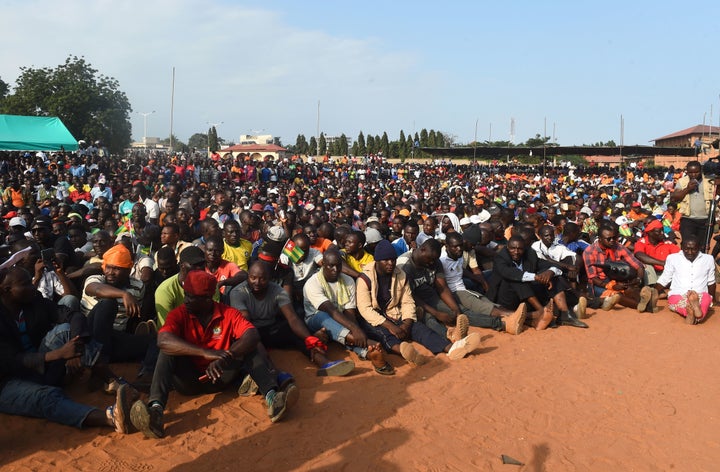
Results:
[195, 267]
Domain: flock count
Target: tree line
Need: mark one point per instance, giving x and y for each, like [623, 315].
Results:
[403, 147]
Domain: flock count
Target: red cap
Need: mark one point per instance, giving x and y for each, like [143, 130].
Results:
[199, 283]
[257, 207]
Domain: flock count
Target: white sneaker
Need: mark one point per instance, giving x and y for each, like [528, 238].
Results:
[465, 346]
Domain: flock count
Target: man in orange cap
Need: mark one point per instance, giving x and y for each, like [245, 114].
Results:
[110, 301]
[204, 347]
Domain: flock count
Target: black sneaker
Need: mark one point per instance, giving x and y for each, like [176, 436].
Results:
[147, 419]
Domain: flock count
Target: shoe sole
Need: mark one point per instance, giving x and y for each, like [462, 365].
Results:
[410, 354]
[547, 317]
[653, 300]
[140, 418]
[517, 324]
[142, 329]
[610, 302]
[462, 324]
[248, 387]
[645, 296]
[122, 410]
[338, 370]
[582, 308]
[471, 343]
[292, 395]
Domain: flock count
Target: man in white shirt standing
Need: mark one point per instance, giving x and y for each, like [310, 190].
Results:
[691, 276]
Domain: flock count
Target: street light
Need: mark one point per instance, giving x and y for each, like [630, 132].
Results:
[145, 115]
[212, 125]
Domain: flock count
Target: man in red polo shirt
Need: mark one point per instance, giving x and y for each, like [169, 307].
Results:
[652, 250]
[204, 347]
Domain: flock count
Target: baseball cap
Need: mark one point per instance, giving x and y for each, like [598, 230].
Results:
[17, 221]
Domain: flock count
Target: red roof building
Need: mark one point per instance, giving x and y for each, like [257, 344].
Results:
[257, 151]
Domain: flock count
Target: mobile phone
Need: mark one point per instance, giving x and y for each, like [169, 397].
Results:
[48, 256]
[281, 214]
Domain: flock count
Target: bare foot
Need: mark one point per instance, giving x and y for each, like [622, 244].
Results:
[692, 308]
[375, 355]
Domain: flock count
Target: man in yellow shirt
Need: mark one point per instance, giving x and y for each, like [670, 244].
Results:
[236, 250]
[356, 256]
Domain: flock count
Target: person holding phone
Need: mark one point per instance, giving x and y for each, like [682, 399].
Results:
[48, 274]
[693, 194]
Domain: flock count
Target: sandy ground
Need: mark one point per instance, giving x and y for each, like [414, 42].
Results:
[635, 392]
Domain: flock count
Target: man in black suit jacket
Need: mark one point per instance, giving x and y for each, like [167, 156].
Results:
[520, 276]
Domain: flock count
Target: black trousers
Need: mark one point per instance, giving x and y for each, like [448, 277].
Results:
[510, 294]
[694, 226]
[118, 346]
[181, 374]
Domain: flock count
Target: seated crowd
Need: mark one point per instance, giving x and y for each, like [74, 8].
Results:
[196, 281]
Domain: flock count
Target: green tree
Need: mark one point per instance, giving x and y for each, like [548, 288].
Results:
[323, 144]
[537, 141]
[431, 138]
[385, 145]
[301, 144]
[361, 149]
[424, 138]
[312, 147]
[355, 149]
[371, 148]
[277, 141]
[213, 139]
[178, 146]
[198, 141]
[440, 139]
[4, 90]
[402, 146]
[91, 105]
[343, 145]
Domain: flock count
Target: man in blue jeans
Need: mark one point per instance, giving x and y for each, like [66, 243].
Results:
[330, 304]
[387, 308]
[37, 348]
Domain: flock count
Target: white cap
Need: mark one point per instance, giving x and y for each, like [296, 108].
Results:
[475, 219]
[484, 216]
[276, 233]
[17, 221]
[622, 220]
[372, 236]
[465, 221]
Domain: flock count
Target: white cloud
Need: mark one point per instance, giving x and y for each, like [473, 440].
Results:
[247, 67]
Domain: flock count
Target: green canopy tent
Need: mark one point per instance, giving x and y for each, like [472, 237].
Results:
[34, 133]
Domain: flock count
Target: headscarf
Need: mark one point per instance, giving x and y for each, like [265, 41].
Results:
[118, 256]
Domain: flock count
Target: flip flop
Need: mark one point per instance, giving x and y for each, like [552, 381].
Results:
[387, 369]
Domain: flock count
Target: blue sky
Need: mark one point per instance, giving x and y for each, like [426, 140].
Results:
[385, 66]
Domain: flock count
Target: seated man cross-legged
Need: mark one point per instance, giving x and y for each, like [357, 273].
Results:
[691, 276]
